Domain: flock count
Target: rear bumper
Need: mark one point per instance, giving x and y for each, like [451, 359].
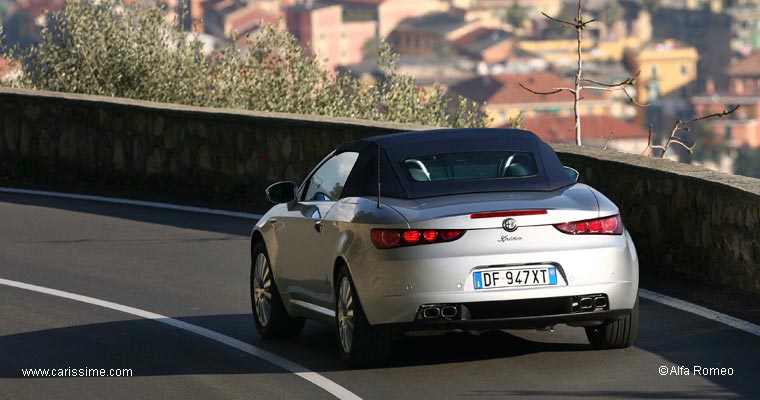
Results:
[621, 296]
[534, 322]
[397, 286]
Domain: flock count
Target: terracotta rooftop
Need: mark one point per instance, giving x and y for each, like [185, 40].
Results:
[5, 66]
[482, 40]
[505, 89]
[36, 8]
[246, 19]
[367, 2]
[748, 66]
[471, 36]
[557, 129]
[439, 23]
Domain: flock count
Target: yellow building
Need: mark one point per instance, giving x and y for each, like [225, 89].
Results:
[667, 73]
[565, 51]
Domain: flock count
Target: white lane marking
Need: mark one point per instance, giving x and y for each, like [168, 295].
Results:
[141, 203]
[331, 387]
[314, 307]
[701, 311]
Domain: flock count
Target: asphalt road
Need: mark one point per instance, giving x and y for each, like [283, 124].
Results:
[195, 267]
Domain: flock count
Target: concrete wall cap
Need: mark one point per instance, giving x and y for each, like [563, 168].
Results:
[743, 183]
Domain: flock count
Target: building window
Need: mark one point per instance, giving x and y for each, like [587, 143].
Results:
[654, 72]
[502, 116]
[654, 90]
[728, 133]
[684, 70]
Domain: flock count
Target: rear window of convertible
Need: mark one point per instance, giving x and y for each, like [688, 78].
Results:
[471, 165]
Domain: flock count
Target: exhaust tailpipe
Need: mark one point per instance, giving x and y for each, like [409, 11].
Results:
[586, 303]
[600, 302]
[449, 311]
[431, 312]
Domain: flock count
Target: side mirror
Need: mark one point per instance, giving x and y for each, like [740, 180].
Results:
[573, 173]
[282, 192]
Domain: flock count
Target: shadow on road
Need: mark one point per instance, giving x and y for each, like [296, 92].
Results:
[153, 349]
[150, 348]
[180, 219]
[703, 392]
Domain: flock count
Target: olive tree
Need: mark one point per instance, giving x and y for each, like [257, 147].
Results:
[111, 49]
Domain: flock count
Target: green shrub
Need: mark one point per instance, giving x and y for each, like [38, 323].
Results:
[107, 48]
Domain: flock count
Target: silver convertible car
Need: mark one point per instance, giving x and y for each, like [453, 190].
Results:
[442, 230]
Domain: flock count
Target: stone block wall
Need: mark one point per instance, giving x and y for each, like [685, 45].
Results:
[684, 219]
[164, 148]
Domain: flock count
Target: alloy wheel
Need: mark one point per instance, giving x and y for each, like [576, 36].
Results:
[346, 315]
[262, 289]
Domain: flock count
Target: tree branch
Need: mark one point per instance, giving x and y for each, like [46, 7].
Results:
[553, 91]
[627, 82]
[608, 140]
[718, 115]
[632, 100]
[569, 24]
[681, 125]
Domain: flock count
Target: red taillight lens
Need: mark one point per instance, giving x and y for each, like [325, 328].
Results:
[600, 226]
[451, 235]
[412, 237]
[385, 239]
[390, 238]
[430, 236]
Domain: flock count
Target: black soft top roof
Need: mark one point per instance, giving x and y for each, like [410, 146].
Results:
[393, 149]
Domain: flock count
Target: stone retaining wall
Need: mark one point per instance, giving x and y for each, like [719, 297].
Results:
[184, 150]
[684, 219]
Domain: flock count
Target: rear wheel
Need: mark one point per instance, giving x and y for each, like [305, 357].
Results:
[271, 317]
[358, 344]
[616, 334]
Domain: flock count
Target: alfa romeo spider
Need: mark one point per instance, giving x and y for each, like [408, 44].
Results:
[442, 230]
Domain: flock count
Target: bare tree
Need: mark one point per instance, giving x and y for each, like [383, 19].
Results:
[579, 25]
[684, 126]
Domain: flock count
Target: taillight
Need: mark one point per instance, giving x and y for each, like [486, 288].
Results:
[390, 238]
[600, 226]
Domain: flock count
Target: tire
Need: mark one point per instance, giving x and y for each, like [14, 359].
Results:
[617, 334]
[269, 314]
[359, 345]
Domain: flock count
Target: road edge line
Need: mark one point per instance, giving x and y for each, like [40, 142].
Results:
[140, 203]
[313, 377]
[703, 312]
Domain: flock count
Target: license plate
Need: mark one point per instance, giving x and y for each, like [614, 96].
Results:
[512, 277]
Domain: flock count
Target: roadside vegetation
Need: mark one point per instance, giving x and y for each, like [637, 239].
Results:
[110, 49]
